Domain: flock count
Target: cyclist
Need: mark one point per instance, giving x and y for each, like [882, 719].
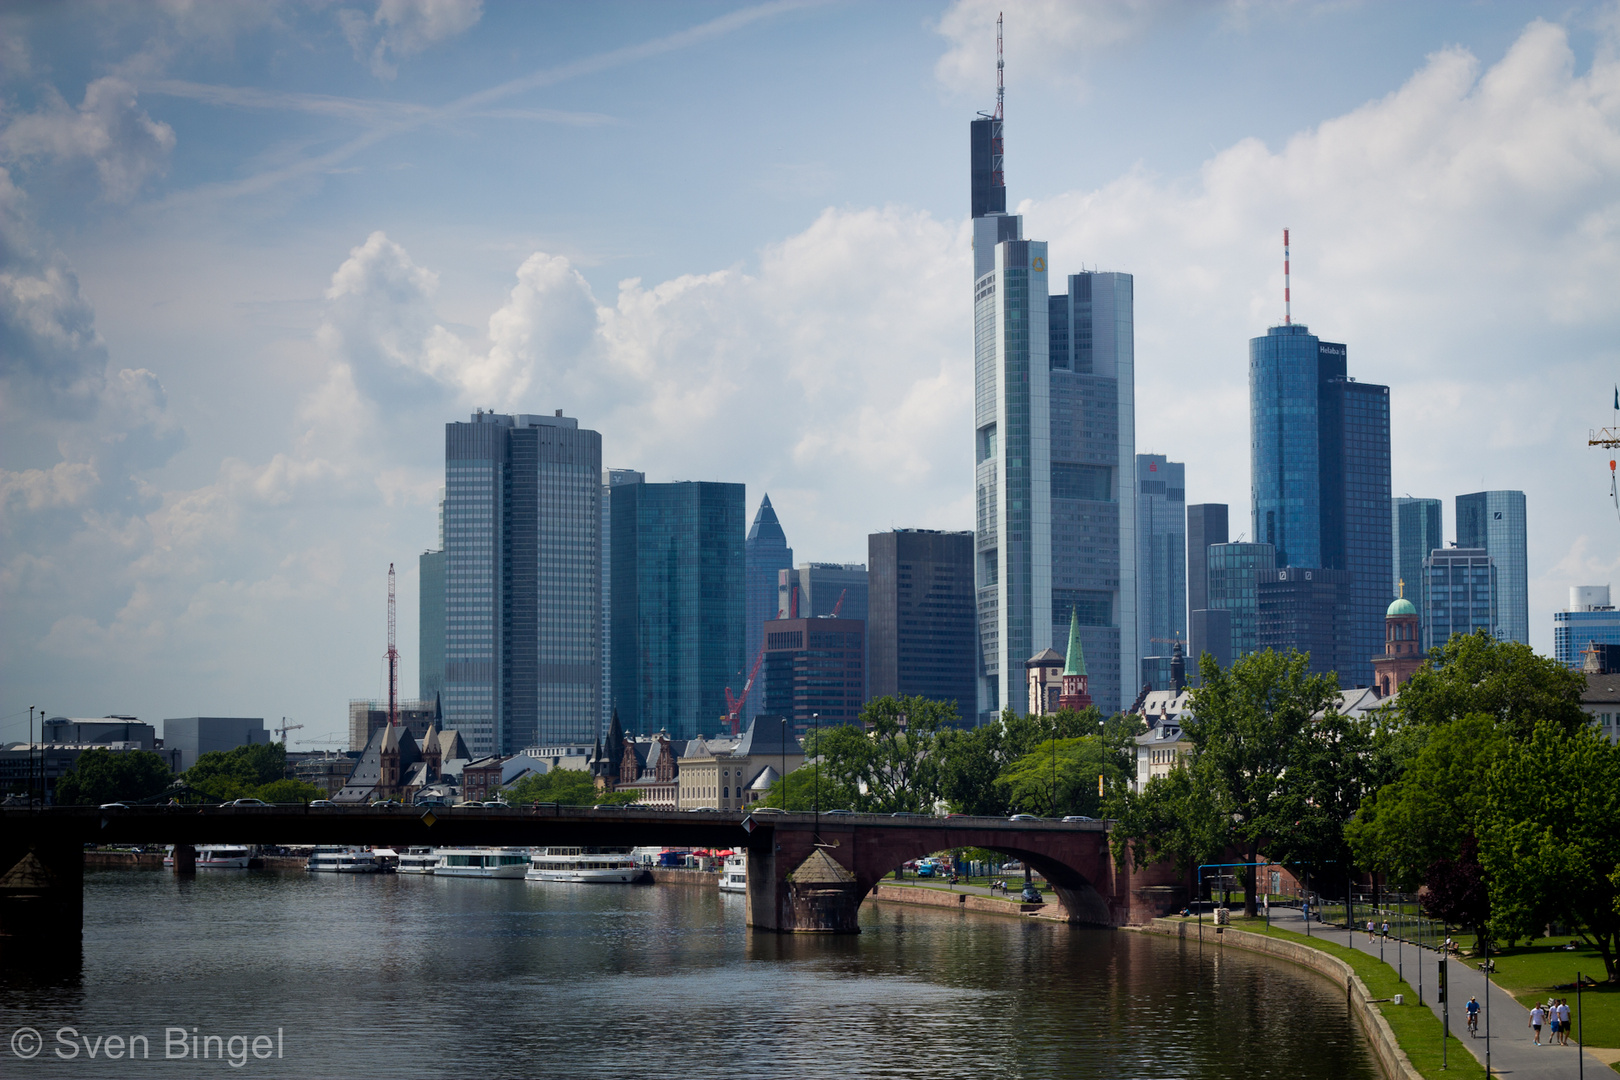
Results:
[1473, 1016]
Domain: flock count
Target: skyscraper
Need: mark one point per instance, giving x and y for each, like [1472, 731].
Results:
[765, 552]
[1590, 620]
[1306, 609]
[522, 581]
[921, 625]
[1461, 590]
[1415, 531]
[1055, 445]
[1319, 452]
[1161, 564]
[1234, 572]
[1206, 525]
[678, 598]
[814, 671]
[611, 478]
[1495, 521]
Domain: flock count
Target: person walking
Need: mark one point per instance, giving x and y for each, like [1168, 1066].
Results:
[1386, 930]
[1553, 1027]
[1538, 1017]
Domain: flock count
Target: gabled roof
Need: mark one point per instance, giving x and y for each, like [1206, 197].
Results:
[1044, 658]
[764, 736]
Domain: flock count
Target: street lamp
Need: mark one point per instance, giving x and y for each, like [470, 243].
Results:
[784, 763]
[30, 781]
[815, 777]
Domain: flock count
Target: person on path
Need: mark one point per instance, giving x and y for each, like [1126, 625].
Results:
[1473, 1016]
[1563, 1019]
[1369, 931]
[1553, 1027]
[1386, 930]
[1538, 1016]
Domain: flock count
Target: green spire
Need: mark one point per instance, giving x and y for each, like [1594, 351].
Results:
[1077, 658]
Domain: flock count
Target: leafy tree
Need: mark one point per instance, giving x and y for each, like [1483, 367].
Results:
[238, 773]
[103, 776]
[1173, 818]
[972, 763]
[1505, 680]
[1456, 893]
[1550, 836]
[889, 762]
[288, 791]
[570, 787]
[798, 791]
[1334, 765]
[1061, 777]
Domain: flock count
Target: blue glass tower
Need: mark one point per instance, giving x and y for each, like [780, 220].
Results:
[1495, 521]
[766, 553]
[1415, 531]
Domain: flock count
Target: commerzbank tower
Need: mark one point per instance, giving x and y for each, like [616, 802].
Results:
[1055, 453]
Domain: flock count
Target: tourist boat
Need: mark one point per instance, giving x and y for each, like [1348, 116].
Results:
[583, 865]
[418, 860]
[218, 856]
[734, 874]
[482, 862]
[341, 860]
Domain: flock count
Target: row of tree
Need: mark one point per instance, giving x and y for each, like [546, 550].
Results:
[256, 772]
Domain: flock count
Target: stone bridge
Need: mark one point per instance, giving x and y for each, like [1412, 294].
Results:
[805, 874]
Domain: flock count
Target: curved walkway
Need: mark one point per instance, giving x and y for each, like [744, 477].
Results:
[1513, 1050]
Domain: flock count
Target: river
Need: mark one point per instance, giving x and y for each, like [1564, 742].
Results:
[406, 976]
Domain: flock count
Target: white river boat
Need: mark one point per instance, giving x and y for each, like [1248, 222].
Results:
[734, 874]
[218, 856]
[341, 860]
[583, 865]
[481, 862]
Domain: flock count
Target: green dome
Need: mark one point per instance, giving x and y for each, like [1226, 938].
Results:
[1402, 606]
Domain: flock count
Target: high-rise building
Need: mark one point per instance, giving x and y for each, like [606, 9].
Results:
[1414, 532]
[1460, 584]
[1319, 452]
[611, 478]
[1055, 446]
[1590, 620]
[1305, 609]
[921, 625]
[1161, 565]
[430, 616]
[1206, 525]
[765, 553]
[822, 589]
[522, 521]
[678, 597]
[815, 671]
[1494, 521]
[1234, 590]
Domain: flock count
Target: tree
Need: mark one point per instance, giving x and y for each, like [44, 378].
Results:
[798, 791]
[1173, 818]
[103, 776]
[1455, 891]
[889, 762]
[238, 773]
[569, 787]
[288, 791]
[1061, 777]
[1334, 765]
[972, 763]
[1550, 835]
[1246, 728]
[1476, 674]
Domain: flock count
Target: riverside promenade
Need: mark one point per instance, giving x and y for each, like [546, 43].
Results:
[1512, 1045]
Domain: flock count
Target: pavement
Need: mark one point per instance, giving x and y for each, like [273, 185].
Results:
[1504, 1024]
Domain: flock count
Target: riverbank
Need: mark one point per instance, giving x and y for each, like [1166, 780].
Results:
[890, 892]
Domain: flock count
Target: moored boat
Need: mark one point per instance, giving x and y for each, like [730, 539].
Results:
[418, 860]
[583, 865]
[734, 874]
[481, 862]
[217, 856]
[341, 860]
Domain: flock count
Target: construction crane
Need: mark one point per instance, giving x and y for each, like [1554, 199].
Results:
[393, 657]
[1609, 439]
[840, 605]
[734, 704]
[284, 728]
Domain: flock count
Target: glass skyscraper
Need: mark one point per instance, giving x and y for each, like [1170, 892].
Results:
[1494, 521]
[1319, 453]
[611, 478]
[1206, 525]
[1461, 592]
[678, 600]
[1161, 556]
[1589, 620]
[522, 581]
[765, 553]
[1415, 531]
[1055, 445]
[1234, 588]
[921, 630]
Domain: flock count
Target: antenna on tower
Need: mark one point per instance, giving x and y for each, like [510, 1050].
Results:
[393, 656]
[1001, 65]
[1288, 299]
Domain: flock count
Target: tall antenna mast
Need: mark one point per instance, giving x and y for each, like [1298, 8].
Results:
[393, 656]
[1288, 299]
[1001, 65]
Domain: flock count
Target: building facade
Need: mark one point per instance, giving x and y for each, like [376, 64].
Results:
[816, 589]
[1494, 521]
[1206, 525]
[1161, 565]
[1233, 571]
[765, 554]
[522, 514]
[611, 478]
[922, 632]
[1306, 608]
[1590, 620]
[1414, 532]
[1403, 648]
[194, 736]
[1460, 584]
[678, 603]
[815, 671]
[1055, 453]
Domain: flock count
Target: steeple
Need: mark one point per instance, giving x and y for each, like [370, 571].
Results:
[1074, 695]
[765, 526]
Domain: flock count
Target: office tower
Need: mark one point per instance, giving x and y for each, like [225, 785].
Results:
[1494, 521]
[765, 554]
[679, 590]
[522, 521]
[1234, 590]
[1319, 451]
[1206, 525]
[1414, 532]
[822, 589]
[611, 478]
[1460, 584]
[1590, 620]
[1305, 608]
[815, 671]
[1161, 565]
[430, 616]
[922, 631]
[1055, 446]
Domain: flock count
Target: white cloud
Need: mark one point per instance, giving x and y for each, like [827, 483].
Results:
[399, 29]
[108, 129]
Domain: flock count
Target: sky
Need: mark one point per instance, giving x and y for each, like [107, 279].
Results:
[253, 256]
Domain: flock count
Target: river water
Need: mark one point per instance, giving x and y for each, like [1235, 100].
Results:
[407, 976]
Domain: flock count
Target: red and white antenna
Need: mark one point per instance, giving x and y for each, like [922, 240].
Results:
[1001, 65]
[1288, 299]
[393, 656]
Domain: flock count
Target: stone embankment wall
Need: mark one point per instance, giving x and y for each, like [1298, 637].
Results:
[668, 876]
[905, 894]
[1391, 1058]
[123, 860]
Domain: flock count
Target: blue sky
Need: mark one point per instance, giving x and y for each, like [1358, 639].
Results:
[252, 256]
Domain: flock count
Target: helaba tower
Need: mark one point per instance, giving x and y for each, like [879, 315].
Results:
[1054, 452]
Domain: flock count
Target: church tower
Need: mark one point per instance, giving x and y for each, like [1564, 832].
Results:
[1403, 652]
[1074, 695]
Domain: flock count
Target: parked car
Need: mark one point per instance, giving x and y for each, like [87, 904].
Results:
[768, 810]
[245, 802]
[703, 810]
[114, 806]
[1030, 895]
[1026, 817]
[1079, 817]
[323, 802]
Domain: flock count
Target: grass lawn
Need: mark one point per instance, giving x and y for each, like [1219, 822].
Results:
[1415, 1027]
[1531, 972]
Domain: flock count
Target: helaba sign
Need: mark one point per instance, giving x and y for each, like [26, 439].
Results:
[1330, 350]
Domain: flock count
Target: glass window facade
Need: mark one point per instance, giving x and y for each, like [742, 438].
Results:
[1414, 532]
[1574, 631]
[1161, 556]
[1495, 522]
[1460, 588]
[1306, 609]
[921, 635]
[1233, 589]
[766, 553]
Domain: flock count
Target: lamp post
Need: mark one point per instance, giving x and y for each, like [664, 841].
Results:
[1054, 765]
[784, 763]
[815, 777]
[30, 780]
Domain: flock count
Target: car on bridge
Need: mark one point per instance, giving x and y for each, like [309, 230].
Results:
[243, 802]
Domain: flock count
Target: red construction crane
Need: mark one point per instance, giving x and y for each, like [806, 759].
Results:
[393, 656]
[734, 705]
[840, 605]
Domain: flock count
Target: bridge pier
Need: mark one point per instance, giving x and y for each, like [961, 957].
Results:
[185, 859]
[41, 895]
